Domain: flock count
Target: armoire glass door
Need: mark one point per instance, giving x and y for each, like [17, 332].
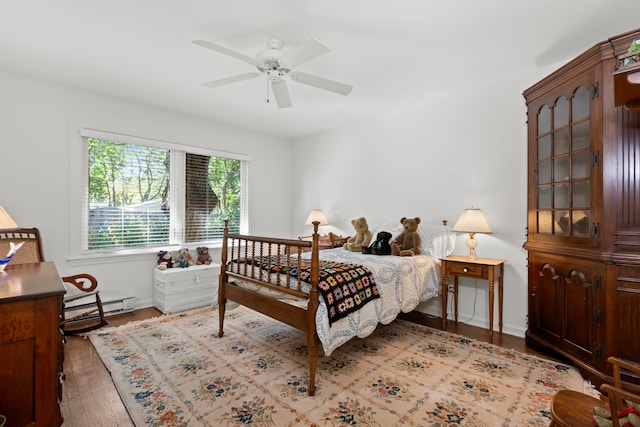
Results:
[564, 162]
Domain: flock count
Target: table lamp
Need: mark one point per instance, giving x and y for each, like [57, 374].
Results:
[5, 220]
[472, 221]
[317, 215]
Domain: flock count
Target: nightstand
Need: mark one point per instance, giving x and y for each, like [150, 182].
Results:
[488, 269]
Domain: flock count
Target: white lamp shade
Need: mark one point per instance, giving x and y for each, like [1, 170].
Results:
[5, 220]
[316, 215]
[472, 221]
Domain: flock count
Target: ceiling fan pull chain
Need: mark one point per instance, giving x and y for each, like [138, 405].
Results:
[267, 87]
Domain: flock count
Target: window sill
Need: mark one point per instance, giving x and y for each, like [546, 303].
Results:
[109, 257]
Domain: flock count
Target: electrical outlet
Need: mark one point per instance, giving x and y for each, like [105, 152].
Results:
[450, 288]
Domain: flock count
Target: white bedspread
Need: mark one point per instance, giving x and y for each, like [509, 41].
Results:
[403, 282]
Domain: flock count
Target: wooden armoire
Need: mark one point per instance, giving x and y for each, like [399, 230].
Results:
[583, 225]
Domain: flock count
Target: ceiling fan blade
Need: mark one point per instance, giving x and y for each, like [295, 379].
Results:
[306, 52]
[225, 51]
[321, 82]
[280, 92]
[232, 79]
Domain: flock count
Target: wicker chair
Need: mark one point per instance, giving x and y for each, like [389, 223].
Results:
[85, 306]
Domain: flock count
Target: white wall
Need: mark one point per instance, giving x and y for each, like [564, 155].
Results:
[466, 149]
[36, 162]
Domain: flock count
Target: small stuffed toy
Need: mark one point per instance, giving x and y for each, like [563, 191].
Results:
[380, 246]
[203, 256]
[362, 237]
[165, 260]
[184, 258]
[337, 241]
[408, 242]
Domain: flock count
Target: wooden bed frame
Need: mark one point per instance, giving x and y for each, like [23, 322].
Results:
[238, 246]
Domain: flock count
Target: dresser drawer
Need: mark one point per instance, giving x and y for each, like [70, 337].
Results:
[17, 321]
[467, 270]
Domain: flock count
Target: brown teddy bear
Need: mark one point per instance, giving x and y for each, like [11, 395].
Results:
[362, 237]
[408, 242]
[203, 256]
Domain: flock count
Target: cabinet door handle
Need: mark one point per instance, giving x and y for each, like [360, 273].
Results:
[465, 269]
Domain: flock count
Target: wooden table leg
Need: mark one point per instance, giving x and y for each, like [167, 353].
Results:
[444, 291]
[501, 294]
[491, 296]
[455, 297]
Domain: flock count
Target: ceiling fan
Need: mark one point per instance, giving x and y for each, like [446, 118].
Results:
[276, 63]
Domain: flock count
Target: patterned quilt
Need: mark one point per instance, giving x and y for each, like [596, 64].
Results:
[345, 288]
[402, 283]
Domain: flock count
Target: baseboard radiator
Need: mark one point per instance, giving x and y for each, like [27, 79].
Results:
[111, 304]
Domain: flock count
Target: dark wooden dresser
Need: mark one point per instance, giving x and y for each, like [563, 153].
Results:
[583, 228]
[31, 299]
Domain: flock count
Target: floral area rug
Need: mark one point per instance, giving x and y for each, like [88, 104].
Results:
[175, 371]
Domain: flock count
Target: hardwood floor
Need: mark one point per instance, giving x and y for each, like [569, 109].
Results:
[91, 399]
[89, 396]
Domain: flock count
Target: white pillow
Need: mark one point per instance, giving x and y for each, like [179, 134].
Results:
[438, 241]
[394, 228]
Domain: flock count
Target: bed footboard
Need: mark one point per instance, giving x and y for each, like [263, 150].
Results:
[242, 259]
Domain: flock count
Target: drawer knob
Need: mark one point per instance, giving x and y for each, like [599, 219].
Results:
[466, 270]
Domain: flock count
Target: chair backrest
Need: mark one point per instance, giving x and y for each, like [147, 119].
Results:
[31, 250]
[619, 397]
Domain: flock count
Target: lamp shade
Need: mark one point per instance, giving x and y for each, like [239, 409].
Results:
[316, 215]
[472, 221]
[5, 219]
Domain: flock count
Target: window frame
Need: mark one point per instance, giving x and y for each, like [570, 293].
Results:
[79, 195]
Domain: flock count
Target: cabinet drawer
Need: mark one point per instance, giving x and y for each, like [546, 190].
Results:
[467, 270]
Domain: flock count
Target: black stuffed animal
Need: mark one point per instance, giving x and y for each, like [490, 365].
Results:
[380, 246]
[165, 260]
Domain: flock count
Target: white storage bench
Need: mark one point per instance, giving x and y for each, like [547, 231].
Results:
[179, 289]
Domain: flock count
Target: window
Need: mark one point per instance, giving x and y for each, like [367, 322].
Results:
[146, 194]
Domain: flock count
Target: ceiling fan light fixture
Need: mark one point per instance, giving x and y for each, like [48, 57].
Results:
[269, 59]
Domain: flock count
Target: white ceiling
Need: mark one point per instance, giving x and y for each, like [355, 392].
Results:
[396, 53]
